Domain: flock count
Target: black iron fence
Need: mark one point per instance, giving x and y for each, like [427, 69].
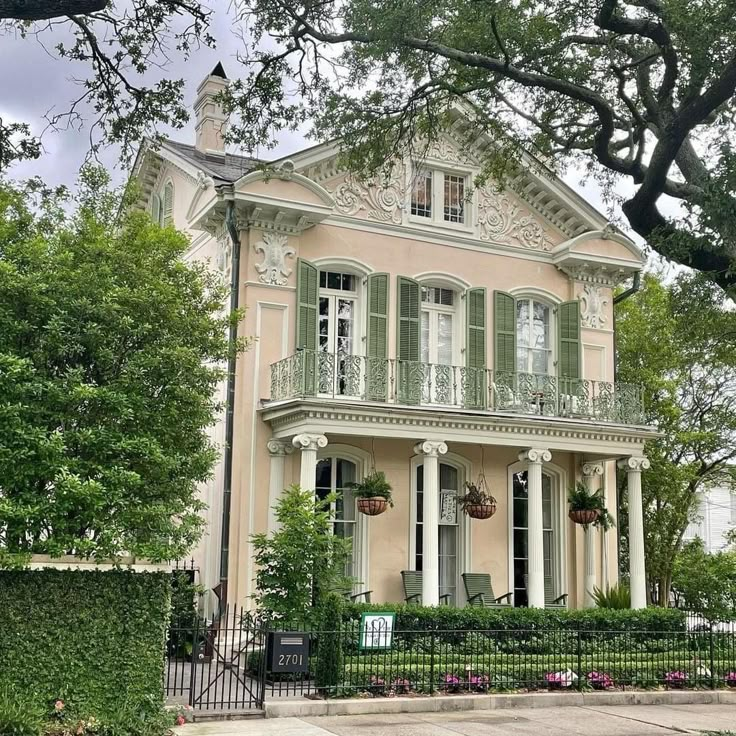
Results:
[225, 665]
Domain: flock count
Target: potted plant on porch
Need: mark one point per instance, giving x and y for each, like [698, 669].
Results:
[587, 507]
[373, 493]
[477, 503]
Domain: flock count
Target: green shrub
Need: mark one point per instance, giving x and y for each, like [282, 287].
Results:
[329, 662]
[446, 618]
[95, 640]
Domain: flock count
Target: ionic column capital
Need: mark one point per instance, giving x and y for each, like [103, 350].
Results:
[278, 448]
[634, 464]
[535, 455]
[309, 441]
[592, 469]
[433, 448]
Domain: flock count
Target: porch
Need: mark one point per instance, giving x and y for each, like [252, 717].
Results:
[529, 548]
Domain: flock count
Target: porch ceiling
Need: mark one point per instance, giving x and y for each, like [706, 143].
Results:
[366, 419]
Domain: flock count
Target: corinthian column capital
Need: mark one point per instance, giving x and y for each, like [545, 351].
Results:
[535, 455]
[309, 441]
[433, 448]
[634, 464]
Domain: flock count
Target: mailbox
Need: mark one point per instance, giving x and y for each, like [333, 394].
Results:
[288, 651]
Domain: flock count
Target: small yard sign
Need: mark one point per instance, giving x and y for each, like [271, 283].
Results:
[376, 630]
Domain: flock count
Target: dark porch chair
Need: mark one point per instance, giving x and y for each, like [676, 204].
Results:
[550, 601]
[413, 587]
[480, 591]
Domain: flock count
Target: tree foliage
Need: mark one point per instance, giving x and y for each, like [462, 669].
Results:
[677, 341]
[126, 48]
[301, 562]
[111, 349]
[707, 582]
[639, 90]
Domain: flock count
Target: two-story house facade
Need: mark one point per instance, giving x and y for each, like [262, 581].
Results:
[437, 331]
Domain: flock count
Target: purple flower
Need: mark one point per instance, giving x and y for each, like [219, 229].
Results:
[730, 679]
[676, 678]
[599, 680]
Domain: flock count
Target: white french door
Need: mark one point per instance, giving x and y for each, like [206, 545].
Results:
[337, 333]
[438, 344]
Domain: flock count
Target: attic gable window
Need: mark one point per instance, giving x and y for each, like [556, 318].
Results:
[439, 196]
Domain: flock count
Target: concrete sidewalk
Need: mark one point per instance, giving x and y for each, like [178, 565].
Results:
[621, 720]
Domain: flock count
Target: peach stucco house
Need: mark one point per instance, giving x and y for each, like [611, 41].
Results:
[439, 331]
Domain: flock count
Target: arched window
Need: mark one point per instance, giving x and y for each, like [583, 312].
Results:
[168, 204]
[453, 537]
[334, 473]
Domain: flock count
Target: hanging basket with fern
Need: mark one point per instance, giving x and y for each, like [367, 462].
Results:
[587, 507]
[372, 494]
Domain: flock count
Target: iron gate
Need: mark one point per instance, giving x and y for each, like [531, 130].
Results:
[217, 666]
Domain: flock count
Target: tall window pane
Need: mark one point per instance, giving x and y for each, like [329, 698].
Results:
[421, 194]
[454, 198]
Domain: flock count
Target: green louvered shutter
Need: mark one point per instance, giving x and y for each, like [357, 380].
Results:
[168, 204]
[475, 348]
[568, 366]
[407, 349]
[377, 347]
[307, 296]
[156, 208]
[504, 327]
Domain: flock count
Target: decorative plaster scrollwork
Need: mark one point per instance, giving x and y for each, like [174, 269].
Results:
[276, 249]
[381, 200]
[224, 253]
[307, 441]
[433, 448]
[503, 221]
[634, 464]
[593, 306]
[590, 470]
[443, 150]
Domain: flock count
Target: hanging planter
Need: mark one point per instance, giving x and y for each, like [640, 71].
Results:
[373, 493]
[587, 508]
[477, 502]
[583, 516]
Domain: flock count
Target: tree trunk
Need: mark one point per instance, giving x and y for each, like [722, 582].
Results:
[46, 9]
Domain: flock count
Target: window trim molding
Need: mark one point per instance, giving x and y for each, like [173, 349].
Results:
[362, 460]
[465, 547]
[343, 263]
[536, 292]
[558, 475]
[445, 280]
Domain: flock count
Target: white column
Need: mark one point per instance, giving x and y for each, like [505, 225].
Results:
[308, 444]
[534, 458]
[637, 571]
[590, 472]
[431, 450]
[278, 450]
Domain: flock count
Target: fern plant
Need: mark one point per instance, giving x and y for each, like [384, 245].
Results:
[617, 596]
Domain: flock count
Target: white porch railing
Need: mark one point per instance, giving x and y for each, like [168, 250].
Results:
[317, 374]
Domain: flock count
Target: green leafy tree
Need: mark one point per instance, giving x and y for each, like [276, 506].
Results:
[677, 341]
[301, 562]
[111, 349]
[640, 91]
[707, 582]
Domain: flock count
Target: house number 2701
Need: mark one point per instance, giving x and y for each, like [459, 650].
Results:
[286, 660]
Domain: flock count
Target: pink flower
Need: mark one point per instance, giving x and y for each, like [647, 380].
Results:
[59, 706]
[731, 679]
[600, 680]
[180, 720]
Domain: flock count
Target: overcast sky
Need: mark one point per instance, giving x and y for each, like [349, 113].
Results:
[34, 81]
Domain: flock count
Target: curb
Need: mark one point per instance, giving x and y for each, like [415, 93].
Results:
[305, 708]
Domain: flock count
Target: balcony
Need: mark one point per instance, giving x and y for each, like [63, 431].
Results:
[406, 383]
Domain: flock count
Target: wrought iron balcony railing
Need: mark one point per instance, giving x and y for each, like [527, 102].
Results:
[317, 374]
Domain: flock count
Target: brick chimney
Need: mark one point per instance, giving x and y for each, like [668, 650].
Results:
[211, 122]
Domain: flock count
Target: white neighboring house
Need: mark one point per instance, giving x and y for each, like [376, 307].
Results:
[716, 516]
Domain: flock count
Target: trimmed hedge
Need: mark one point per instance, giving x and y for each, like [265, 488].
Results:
[95, 640]
[421, 618]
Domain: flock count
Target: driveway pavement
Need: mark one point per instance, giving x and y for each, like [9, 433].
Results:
[622, 720]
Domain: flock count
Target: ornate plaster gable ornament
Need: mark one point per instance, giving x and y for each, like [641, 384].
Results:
[593, 306]
[276, 249]
[204, 181]
[444, 150]
[381, 200]
[502, 220]
[588, 273]
[224, 253]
